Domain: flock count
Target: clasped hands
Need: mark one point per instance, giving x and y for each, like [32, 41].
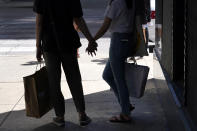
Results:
[92, 48]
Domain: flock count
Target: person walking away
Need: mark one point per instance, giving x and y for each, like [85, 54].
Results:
[57, 41]
[119, 19]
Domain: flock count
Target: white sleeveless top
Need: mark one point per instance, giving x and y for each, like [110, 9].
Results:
[122, 18]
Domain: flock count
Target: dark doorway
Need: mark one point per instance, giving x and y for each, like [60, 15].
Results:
[178, 47]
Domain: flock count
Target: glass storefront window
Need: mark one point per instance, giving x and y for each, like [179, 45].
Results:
[158, 26]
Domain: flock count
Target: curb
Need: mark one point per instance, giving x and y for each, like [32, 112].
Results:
[16, 5]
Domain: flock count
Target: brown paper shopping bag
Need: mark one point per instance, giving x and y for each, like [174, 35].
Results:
[37, 98]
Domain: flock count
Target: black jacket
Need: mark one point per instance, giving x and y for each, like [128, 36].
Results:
[140, 10]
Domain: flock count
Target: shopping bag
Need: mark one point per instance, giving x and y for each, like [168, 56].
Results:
[37, 98]
[136, 78]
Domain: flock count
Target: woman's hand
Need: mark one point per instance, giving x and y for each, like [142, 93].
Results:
[92, 48]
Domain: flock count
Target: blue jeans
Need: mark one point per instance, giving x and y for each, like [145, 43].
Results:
[120, 48]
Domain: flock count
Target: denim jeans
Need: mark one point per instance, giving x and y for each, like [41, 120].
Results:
[120, 48]
[71, 69]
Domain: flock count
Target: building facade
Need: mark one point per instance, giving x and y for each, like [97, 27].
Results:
[176, 47]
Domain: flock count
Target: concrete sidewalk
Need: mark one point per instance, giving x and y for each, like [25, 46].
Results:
[101, 103]
[15, 4]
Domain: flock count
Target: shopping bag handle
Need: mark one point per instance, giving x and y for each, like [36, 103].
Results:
[132, 59]
[40, 63]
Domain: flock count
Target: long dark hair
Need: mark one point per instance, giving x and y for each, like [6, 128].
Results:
[129, 3]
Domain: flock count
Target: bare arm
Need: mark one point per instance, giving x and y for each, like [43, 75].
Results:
[81, 24]
[105, 26]
[76, 27]
[144, 34]
[39, 20]
[38, 29]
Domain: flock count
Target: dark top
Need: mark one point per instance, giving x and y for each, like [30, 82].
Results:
[147, 10]
[60, 36]
[140, 10]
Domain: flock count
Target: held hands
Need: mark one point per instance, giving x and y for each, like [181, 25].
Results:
[92, 48]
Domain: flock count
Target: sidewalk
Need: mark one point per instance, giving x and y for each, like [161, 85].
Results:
[101, 103]
[16, 4]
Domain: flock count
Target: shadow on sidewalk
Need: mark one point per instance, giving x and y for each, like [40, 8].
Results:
[101, 61]
[30, 63]
[148, 115]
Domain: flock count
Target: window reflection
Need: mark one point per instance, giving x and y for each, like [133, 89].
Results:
[158, 26]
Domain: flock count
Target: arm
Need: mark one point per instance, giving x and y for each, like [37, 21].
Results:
[76, 27]
[81, 24]
[105, 26]
[144, 34]
[39, 20]
[144, 26]
[92, 46]
[38, 29]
